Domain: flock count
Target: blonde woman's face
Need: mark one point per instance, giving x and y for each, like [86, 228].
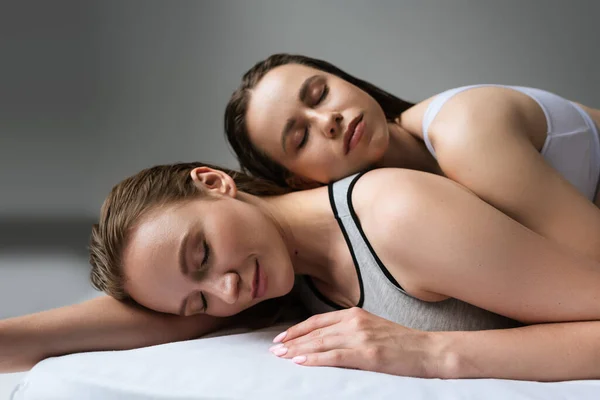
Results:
[205, 256]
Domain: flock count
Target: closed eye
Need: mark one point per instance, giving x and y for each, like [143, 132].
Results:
[304, 138]
[204, 263]
[204, 303]
[201, 270]
[206, 253]
[323, 95]
[196, 304]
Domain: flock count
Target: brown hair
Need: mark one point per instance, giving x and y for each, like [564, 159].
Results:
[255, 161]
[132, 199]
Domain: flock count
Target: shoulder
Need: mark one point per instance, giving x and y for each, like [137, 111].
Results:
[477, 121]
[401, 212]
[384, 185]
[382, 195]
[381, 184]
[488, 106]
[468, 109]
[388, 197]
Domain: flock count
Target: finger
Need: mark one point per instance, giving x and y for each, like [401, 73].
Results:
[333, 358]
[316, 338]
[313, 323]
[315, 345]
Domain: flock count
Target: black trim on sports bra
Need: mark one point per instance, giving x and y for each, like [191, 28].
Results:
[309, 280]
[385, 271]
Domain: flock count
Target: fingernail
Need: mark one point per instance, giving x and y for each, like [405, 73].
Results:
[280, 337]
[279, 350]
[276, 346]
[299, 359]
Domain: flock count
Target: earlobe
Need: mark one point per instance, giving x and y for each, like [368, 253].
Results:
[214, 181]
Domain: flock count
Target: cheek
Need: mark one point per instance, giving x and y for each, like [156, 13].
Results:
[314, 162]
[275, 260]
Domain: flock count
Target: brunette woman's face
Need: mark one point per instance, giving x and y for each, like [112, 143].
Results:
[318, 126]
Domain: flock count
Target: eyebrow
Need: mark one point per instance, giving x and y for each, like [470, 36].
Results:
[184, 268]
[302, 93]
[182, 254]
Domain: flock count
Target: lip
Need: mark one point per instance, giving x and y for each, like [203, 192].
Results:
[350, 133]
[259, 282]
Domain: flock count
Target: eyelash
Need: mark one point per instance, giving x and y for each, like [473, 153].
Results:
[204, 304]
[204, 262]
[206, 252]
[323, 95]
[319, 100]
[304, 139]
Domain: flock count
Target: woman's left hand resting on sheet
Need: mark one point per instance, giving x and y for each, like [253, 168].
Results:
[182, 240]
[355, 338]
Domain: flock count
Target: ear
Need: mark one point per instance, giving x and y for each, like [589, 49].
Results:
[298, 183]
[213, 180]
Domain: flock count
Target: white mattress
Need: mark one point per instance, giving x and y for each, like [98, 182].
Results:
[239, 366]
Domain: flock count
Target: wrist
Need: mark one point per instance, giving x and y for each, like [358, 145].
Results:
[443, 360]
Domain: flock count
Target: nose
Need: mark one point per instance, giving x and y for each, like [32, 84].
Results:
[330, 124]
[226, 287]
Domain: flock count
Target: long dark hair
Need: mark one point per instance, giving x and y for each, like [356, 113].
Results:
[254, 161]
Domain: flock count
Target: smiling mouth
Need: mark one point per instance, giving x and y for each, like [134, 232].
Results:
[260, 282]
[350, 132]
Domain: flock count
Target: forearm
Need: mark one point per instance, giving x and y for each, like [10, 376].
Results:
[99, 324]
[545, 352]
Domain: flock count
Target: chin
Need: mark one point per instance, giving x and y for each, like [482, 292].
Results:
[377, 147]
[284, 288]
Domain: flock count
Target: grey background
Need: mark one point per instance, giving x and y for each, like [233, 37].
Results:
[93, 91]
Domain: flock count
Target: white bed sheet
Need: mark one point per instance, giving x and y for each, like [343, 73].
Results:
[239, 366]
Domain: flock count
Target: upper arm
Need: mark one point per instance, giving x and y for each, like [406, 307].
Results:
[488, 149]
[436, 237]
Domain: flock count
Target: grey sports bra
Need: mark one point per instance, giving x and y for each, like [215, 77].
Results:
[380, 294]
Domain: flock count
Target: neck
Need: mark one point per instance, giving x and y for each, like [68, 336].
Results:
[311, 233]
[407, 151]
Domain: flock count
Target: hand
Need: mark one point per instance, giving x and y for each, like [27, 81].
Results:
[355, 338]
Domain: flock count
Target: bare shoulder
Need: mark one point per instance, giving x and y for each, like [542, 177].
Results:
[489, 110]
[386, 196]
[377, 185]
[380, 196]
[486, 102]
